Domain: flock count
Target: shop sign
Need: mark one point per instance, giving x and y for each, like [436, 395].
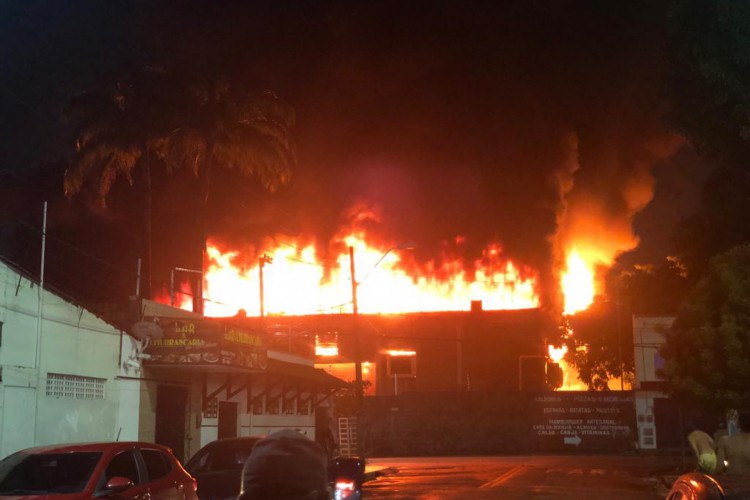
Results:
[573, 421]
[201, 342]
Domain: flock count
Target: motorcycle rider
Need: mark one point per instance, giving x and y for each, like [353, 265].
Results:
[285, 465]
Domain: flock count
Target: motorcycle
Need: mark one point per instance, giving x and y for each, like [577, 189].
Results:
[346, 475]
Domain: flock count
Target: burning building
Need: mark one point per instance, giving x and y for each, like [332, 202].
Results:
[448, 329]
[432, 351]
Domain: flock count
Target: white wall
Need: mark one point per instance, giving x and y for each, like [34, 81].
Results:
[250, 424]
[76, 345]
[647, 338]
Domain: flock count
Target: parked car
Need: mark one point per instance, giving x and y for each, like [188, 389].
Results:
[218, 467]
[698, 486]
[127, 470]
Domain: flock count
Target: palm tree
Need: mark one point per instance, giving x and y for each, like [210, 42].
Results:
[184, 123]
[229, 128]
[222, 127]
[116, 128]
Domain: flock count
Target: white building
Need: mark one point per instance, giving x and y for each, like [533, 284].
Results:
[68, 375]
[648, 336]
[60, 368]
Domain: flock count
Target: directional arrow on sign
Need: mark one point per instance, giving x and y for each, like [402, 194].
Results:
[572, 440]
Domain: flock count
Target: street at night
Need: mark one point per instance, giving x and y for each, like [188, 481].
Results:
[521, 477]
[268, 239]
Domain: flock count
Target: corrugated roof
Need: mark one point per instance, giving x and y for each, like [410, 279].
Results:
[304, 372]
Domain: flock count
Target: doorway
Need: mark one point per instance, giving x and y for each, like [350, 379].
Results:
[227, 419]
[171, 418]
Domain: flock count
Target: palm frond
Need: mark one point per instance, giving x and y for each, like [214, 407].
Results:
[98, 167]
[182, 148]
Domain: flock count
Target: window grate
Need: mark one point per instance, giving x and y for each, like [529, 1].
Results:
[74, 387]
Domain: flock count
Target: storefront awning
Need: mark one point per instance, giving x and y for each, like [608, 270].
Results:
[316, 376]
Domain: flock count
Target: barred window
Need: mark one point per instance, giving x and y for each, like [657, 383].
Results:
[74, 387]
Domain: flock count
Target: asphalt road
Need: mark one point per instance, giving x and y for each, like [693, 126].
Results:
[523, 477]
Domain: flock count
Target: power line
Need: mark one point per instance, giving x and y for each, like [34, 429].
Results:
[76, 248]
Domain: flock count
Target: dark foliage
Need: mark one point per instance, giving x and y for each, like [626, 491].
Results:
[707, 348]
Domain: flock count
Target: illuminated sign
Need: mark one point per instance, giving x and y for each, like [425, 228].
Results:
[201, 342]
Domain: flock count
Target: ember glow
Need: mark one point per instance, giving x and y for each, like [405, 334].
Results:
[401, 352]
[297, 282]
[577, 284]
[556, 353]
[570, 382]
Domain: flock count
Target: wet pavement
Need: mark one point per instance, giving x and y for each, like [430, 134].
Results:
[650, 473]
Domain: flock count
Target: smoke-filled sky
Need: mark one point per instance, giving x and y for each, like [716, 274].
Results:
[532, 123]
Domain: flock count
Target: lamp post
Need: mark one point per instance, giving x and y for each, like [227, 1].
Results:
[358, 384]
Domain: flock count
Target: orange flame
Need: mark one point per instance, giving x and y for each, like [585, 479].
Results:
[577, 284]
[556, 353]
[297, 282]
[571, 382]
[401, 352]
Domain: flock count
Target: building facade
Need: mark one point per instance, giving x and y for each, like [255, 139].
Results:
[60, 368]
[652, 406]
[69, 375]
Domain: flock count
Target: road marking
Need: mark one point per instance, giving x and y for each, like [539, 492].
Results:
[598, 472]
[575, 471]
[502, 477]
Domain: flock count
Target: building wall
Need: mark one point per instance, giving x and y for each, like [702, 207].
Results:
[454, 351]
[85, 381]
[63, 388]
[647, 338]
[267, 413]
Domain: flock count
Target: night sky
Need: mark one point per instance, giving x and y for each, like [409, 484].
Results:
[479, 119]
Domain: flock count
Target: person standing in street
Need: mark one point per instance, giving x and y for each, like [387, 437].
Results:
[733, 452]
[705, 451]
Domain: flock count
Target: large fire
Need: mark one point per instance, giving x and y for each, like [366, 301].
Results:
[577, 284]
[296, 282]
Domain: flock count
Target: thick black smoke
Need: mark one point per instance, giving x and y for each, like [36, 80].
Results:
[448, 118]
[454, 120]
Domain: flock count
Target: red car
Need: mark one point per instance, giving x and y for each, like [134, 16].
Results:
[126, 470]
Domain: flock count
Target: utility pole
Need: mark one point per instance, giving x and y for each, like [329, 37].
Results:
[619, 334]
[355, 317]
[262, 261]
[359, 388]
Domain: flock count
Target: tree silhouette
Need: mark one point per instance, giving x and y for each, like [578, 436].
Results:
[116, 129]
[707, 347]
[181, 122]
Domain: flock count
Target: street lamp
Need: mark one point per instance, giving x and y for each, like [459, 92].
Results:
[359, 388]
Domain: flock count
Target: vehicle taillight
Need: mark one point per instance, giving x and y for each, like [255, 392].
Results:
[195, 484]
[345, 485]
[345, 489]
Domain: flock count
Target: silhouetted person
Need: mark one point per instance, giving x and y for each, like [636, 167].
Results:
[721, 431]
[705, 450]
[734, 451]
[285, 465]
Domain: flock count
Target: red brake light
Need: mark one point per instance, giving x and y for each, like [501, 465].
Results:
[345, 485]
[195, 484]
